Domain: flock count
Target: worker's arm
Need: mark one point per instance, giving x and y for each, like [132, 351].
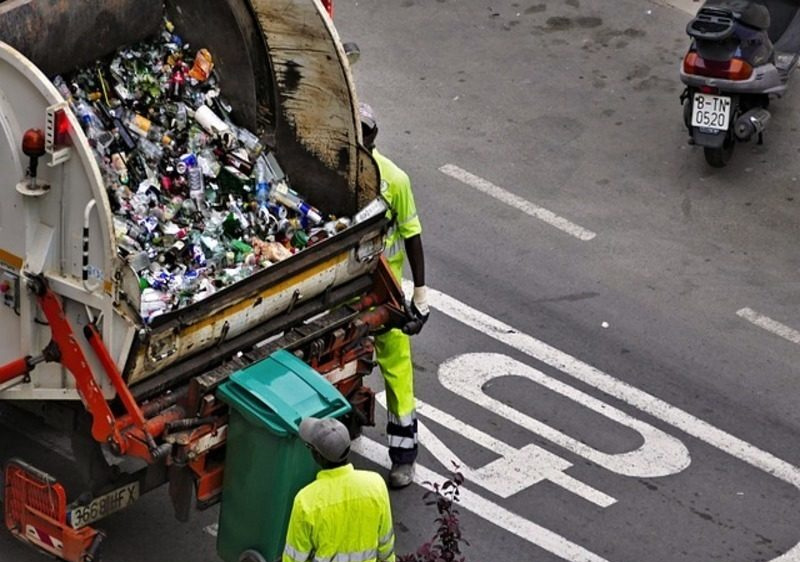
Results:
[419, 302]
[416, 259]
[298, 536]
[400, 198]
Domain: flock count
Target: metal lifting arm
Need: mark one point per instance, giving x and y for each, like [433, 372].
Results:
[70, 354]
[64, 348]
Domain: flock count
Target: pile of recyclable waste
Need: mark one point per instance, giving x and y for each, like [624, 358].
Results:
[199, 204]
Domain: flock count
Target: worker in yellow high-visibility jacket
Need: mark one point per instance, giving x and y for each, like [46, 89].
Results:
[393, 348]
[344, 514]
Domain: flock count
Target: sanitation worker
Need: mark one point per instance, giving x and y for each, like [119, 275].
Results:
[393, 348]
[344, 514]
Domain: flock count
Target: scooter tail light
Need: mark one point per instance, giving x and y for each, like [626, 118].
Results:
[733, 69]
[739, 69]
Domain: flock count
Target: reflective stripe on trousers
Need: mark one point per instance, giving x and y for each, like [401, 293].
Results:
[393, 354]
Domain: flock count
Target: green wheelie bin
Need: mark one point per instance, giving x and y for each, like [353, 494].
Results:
[266, 463]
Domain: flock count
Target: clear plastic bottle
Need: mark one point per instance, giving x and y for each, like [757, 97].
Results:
[250, 142]
[62, 88]
[93, 126]
[151, 150]
[197, 187]
[144, 127]
[262, 181]
[181, 116]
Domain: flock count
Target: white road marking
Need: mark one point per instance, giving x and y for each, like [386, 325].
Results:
[212, 529]
[513, 200]
[490, 511]
[514, 471]
[659, 454]
[647, 403]
[770, 325]
[688, 6]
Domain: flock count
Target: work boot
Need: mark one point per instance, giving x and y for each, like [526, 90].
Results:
[401, 475]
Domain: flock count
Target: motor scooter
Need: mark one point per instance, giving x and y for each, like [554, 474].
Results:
[741, 56]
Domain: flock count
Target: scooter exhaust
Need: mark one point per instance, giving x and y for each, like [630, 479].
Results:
[751, 123]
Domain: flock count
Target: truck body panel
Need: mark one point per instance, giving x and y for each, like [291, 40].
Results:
[282, 68]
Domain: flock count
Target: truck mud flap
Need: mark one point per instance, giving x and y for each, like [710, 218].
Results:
[709, 140]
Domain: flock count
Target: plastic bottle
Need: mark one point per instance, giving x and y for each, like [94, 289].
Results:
[250, 142]
[93, 126]
[209, 163]
[281, 193]
[62, 88]
[197, 187]
[143, 127]
[151, 150]
[181, 116]
[262, 181]
[237, 212]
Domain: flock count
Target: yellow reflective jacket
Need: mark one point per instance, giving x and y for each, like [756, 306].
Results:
[343, 516]
[396, 191]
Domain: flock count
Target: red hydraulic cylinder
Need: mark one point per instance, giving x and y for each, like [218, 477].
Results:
[15, 369]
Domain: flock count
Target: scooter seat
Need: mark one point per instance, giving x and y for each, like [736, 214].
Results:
[745, 11]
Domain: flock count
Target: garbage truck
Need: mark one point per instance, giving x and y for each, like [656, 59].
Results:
[138, 399]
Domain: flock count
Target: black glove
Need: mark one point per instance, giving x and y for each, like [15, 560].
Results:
[416, 319]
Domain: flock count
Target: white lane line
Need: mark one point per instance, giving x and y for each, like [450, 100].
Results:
[515, 469]
[770, 325]
[688, 6]
[212, 529]
[594, 377]
[647, 403]
[490, 511]
[517, 202]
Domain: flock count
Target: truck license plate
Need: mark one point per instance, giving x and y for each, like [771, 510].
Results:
[106, 504]
[711, 112]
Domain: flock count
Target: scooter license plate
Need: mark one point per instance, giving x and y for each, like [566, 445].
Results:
[711, 112]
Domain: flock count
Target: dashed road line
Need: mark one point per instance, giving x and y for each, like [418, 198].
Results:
[517, 202]
[770, 325]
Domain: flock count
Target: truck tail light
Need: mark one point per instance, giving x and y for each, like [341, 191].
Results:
[733, 69]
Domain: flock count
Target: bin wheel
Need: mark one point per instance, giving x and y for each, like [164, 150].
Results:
[251, 556]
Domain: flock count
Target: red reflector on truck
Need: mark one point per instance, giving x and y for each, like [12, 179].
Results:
[61, 129]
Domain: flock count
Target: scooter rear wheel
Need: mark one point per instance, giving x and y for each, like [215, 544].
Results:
[719, 157]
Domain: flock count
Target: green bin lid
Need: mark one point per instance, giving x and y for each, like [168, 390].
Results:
[280, 391]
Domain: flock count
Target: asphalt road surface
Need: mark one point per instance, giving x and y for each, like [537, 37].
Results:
[612, 355]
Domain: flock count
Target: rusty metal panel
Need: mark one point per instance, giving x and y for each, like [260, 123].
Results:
[60, 35]
[317, 129]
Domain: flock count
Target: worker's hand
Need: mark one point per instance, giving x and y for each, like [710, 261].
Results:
[419, 311]
[420, 301]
